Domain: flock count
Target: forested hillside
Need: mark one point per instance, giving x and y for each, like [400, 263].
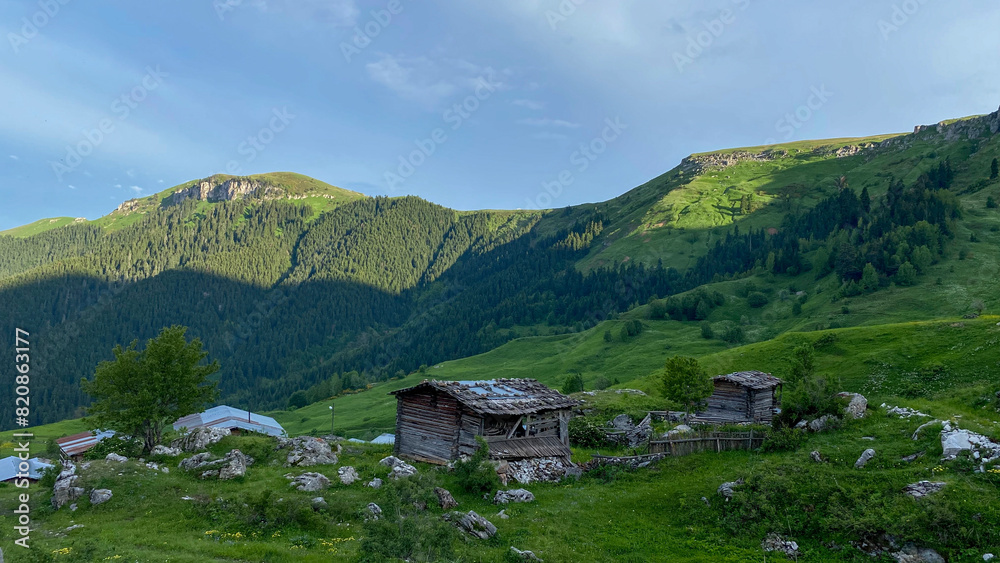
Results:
[293, 284]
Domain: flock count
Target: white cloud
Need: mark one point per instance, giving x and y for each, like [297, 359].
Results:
[14, 156]
[338, 13]
[529, 104]
[135, 189]
[427, 81]
[118, 186]
[547, 122]
[71, 186]
[130, 173]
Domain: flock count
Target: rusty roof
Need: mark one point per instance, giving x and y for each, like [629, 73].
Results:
[79, 443]
[750, 379]
[499, 396]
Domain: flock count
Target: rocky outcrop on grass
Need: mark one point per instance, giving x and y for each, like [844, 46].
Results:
[399, 467]
[308, 481]
[199, 439]
[473, 524]
[233, 465]
[307, 451]
[513, 495]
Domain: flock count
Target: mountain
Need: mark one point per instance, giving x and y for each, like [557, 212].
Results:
[295, 285]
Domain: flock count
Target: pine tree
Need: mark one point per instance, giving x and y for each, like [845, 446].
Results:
[994, 171]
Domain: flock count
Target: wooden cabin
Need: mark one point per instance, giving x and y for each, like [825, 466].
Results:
[745, 396]
[438, 421]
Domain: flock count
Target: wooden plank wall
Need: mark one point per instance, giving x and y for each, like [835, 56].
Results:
[708, 442]
[728, 398]
[472, 426]
[427, 426]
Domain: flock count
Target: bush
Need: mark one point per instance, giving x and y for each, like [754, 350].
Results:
[783, 440]
[49, 475]
[476, 475]
[297, 400]
[757, 299]
[573, 384]
[991, 203]
[809, 397]
[586, 433]
[602, 383]
[706, 331]
[405, 532]
[128, 447]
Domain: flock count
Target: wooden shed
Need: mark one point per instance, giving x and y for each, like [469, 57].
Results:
[745, 396]
[438, 421]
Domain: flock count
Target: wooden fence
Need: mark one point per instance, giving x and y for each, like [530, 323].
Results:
[693, 442]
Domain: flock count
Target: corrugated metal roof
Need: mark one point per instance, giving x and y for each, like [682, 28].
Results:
[9, 470]
[228, 417]
[385, 439]
[499, 396]
[750, 379]
[79, 443]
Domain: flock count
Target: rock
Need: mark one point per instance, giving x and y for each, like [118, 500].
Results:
[802, 424]
[164, 450]
[726, 489]
[73, 507]
[348, 475]
[912, 554]
[513, 495]
[955, 441]
[306, 451]
[921, 489]
[399, 467]
[319, 503]
[678, 430]
[445, 499]
[116, 457]
[65, 490]
[73, 527]
[986, 557]
[503, 514]
[195, 462]
[473, 524]
[866, 456]
[199, 439]
[210, 474]
[902, 412]
[816, 457]
[524, 555]
[774, 542]
[856, 407]
[527, 471]
[310, 482]
[823, 423]
[375, 483]
[916, 433]
[100, 496]
[374, 511]
[236, 463]
[153, 466]
[912, 457]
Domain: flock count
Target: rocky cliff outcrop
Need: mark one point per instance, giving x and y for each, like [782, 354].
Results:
[212, 190]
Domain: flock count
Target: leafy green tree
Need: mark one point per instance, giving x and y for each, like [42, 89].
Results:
[994, 171]
[803, 362]
[298, 399]
[138, 393]
[869, 278]
[991, 203]
[706, 331]
[866, 200]
[684, 381]
[757, 299]
[573, 384]
[608, 337]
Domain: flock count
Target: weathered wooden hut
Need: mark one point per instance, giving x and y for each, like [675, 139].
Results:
[438, 421]
[745, 396]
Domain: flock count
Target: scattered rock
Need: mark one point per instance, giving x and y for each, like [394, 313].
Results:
[199, 439]
[955, 441]
[73, 527]
[916, 433]
[100, 496]
[726, 489]
[236, 463]
[306, 451]
[348, 475]
[902, 412]
[195, 462]
[527, 471]
[705, 500]
[473, 524]
[912, 554]
[233, 465]
[816, 457]
[866, 456]
[912, 457]
[513, 495]
[319, 503]
[210, 474]
[678, 430]
[857, 406]
[310, 482]
[374, 511]
[503, 514]
[629, 434]
[399, 467]
[921, 489]
[774, 542]
[524, 555]
[164, 450]
[65, 490]
[823, 423]
[986, 557]
[115, 457]
[802, 424]
[72, 508]
[153, 466]
[445, 499]
[375, 483]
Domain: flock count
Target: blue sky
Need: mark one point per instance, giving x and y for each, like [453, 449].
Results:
[104, 101]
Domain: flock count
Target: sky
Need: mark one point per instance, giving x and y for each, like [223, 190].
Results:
[469, 104]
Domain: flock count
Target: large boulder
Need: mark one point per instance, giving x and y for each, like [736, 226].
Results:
[445, 499]
[310, 482]
[857, 405]
[678, 431]
[374, 511]
[399, 467]
[375, 483]
[235, 465]
[473, 524]
[100, 496]
[164, 450]
[115, 457]
[921, 489]
[199, 439]
[513, 495]
[954, 441]
[65, 490]
[774, 542]
[823, 423]
[348, 475]
[866, 456]
[306, 451]
[196, 461]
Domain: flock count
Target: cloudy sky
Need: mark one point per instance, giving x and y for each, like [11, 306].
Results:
[470, 104]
